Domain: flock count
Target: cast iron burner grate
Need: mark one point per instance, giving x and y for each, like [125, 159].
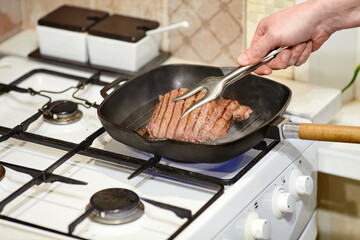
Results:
[62, 112]
[115, 206]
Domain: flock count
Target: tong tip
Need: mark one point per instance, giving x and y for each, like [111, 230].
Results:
[185, 113]
[196, 105]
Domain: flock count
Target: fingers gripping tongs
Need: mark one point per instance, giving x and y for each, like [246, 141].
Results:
[214, 86]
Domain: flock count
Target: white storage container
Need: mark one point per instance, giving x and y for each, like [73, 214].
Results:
[120, 42]
[63, 32]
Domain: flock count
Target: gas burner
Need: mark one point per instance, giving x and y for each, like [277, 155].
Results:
[62, 112]
[115, 206]
[2, 172]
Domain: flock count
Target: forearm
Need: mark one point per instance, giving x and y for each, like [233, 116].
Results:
[338, 14]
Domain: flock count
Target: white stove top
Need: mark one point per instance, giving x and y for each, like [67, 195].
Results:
[57, 205]
[54, 206]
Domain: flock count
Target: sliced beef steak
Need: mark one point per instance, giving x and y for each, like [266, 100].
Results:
[210, 121]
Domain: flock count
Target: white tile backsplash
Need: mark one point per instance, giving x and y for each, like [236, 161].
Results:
[333, 64]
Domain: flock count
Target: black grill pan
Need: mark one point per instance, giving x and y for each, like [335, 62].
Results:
[129, 107]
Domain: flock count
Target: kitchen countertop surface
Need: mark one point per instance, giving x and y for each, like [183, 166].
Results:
[342, 159]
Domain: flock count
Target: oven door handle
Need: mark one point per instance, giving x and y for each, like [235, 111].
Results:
[107, 87]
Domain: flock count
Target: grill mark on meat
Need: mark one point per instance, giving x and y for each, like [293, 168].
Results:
[202, 134]
[150, 126]
[160, 116]
[176, 115]
[200, 122]
[179, 132]
[192, 119]
[217, 114]
[168, 114]
[223, 123]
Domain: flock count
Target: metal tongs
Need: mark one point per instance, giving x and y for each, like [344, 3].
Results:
[214, 86]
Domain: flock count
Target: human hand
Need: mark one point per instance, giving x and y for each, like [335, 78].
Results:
[301, 27]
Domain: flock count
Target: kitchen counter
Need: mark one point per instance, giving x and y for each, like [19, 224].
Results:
[21, 44]
[342, 159]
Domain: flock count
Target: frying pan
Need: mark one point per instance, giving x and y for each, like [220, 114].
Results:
[127, 109]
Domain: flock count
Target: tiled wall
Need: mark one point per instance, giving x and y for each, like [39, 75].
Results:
[339, 208]
[10, 18]
[337, 226]
[216, 32]
[219, 29]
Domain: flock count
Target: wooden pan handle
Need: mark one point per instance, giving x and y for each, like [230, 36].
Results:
[326, 132]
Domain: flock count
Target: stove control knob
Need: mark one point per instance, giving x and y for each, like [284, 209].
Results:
[286, 202]
[304, 185]
[256, 228]
[282, 202]
[300, 184]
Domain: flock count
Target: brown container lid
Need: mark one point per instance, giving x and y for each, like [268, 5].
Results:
[72, 18]
[123, 28]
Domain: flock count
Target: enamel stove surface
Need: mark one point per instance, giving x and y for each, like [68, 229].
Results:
[253, 196]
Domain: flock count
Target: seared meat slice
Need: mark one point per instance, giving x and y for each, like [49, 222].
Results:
[192, 119]
[180, 130]
[168, 113]
[216, 112]
[222, 124]
[201, 122]
[178, 109]
[210, 121]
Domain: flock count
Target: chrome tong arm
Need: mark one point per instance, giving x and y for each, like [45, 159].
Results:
[240, 72]
[214, 86]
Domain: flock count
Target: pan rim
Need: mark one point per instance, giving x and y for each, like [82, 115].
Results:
[206, 143]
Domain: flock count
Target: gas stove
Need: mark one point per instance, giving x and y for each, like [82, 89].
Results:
[63, 177]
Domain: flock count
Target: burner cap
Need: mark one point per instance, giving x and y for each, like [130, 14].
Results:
[115, 206]
[2, 172]
[62, 112]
